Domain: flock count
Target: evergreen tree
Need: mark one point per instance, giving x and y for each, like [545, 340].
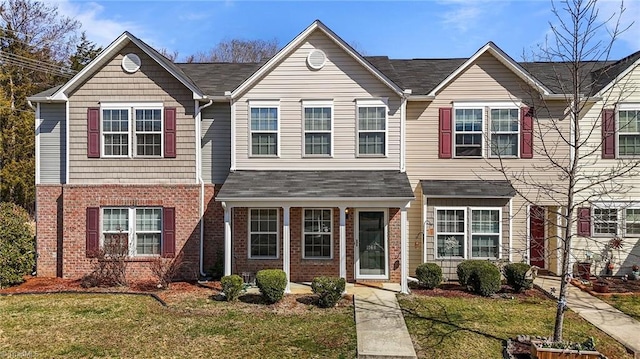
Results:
[85, 52]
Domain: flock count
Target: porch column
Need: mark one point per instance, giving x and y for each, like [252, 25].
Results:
[343, 243]
[227, 239]
[404, 254]
[286, 248]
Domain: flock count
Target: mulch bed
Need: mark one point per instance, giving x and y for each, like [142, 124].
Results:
[455, 290]
[617, 286]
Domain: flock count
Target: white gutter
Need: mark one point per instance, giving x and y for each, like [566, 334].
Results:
[403, 129]
[510, 230]
[199, 179]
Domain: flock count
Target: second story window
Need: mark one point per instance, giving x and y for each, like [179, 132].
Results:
[372, 128]
[264, 126]
[505, 126]
[132, 130]
[468, 123]
[115, 130]
[629, 133]
[148, 132]
[317, 128]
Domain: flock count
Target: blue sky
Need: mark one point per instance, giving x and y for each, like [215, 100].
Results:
[398, 29]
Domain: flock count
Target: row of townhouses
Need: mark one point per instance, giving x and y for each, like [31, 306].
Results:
[321, 161]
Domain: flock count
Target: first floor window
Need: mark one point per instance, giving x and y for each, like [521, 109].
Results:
[450, 226]
[605, 221]
[372, 128]
[485, 233]
[468, 232]
[632, 221]
[317, 233]
[132, 231]
[263, 233]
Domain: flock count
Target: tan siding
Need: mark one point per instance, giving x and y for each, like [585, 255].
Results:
[485, 80]
[216, 142]
[342, 80]
[152, 84]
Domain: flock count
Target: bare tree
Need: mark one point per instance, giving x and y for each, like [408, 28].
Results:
[238, 50]
[568, 143]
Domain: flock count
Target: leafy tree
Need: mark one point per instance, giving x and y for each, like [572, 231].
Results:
[238, 50]
[17, 247]
[86, 51]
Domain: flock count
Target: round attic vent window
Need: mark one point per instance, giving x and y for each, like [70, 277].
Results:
[316, 59]
[131, 63]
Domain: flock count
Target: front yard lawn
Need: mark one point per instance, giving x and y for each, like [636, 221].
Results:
[476, 327]
[193, 326]
[628, 303]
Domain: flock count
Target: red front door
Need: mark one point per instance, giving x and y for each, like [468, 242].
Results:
[536, 233]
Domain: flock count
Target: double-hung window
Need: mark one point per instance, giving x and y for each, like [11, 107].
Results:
[372, 127]
[629, 132]
[505, 126]
[318, 120]
[264, 125]
[263, 233]
[468, 124]
[605, 221]
[136, 231]
[317, 234]
[632, 222]
[132, 130]
[468, 232]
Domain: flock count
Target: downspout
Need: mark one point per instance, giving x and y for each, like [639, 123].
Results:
[199, 177]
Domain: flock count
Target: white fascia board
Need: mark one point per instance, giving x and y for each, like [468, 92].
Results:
[500, 56]
[317, 202]
[297, 41]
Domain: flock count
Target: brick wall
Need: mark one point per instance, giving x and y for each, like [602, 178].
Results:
[49, 230]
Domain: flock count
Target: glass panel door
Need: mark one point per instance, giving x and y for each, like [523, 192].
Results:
[372, 248]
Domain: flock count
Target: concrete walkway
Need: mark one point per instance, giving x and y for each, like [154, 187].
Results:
[616, 324]
[380, 326]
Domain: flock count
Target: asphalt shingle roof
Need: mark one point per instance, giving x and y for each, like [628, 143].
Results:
[217, 77]
[468, 188]
[316, 184]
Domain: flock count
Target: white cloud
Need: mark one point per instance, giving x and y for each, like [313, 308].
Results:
[610, 9]
[465, 14]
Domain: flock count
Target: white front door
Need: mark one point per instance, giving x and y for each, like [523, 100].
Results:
[372, 254]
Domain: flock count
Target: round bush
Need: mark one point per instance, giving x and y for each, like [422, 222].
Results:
[17, 244]
[232, 286]
[272, 283]
[516, 275]
[328, 289]
[429, 275]
[465, 269]
[485, 278]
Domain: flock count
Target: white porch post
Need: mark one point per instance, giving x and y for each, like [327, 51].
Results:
[404, 245]
[343, 243]
[286, 248]
[227, 239]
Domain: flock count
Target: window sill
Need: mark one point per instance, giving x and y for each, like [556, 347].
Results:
[319, 260]
[371, 156]
[264, 156]
[316, 156]
[263, 258]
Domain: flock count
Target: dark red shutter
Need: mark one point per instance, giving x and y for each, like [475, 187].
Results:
[168, 232]
[526, 132]
[93, 231]
[93, 132]
[445, 137]
[584, 221]
[170, 132]
[608, 134]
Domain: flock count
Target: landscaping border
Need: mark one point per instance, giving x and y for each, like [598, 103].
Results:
[152, 295]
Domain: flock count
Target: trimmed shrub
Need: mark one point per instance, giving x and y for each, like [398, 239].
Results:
[464, 271]
[17, 244]
[272, 283]
[232, 286]
[328, 289]
[429, 275]
[485, 278]
[516, 275]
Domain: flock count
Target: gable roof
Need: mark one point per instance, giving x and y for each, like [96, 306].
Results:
[60, 92]
[608, 75]
[298, 40]
[501, 56]
[215, 78]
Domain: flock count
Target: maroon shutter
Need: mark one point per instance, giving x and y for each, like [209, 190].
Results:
[93, 231]
[445, 137]
[170, 132]
[608, 134]
[526, 132]
[168, 232]
[584, 221]
[93, 132]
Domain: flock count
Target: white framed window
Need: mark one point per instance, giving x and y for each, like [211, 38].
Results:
[485, 232]
[605, 221]
[632, 222]
[138, 231]
[450, 232]
[264, 233]
[505, 132]
[372, 127]
[264, 117]
[468, 232]
[628, 130]
[468, 126]
[132, 129]
[318, 128]
[317, 233]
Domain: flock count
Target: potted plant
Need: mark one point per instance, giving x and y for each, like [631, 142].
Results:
[584, 267]
[553, 350]
[635, 272]
[601, 285]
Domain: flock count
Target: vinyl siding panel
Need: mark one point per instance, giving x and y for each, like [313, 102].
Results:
[53, 144]
[342, 80]
[150, 84]
[486, 80]
[216, 143]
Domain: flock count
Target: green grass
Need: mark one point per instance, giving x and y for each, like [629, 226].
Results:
[477, 327]
[67, 325]
[628, 304]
